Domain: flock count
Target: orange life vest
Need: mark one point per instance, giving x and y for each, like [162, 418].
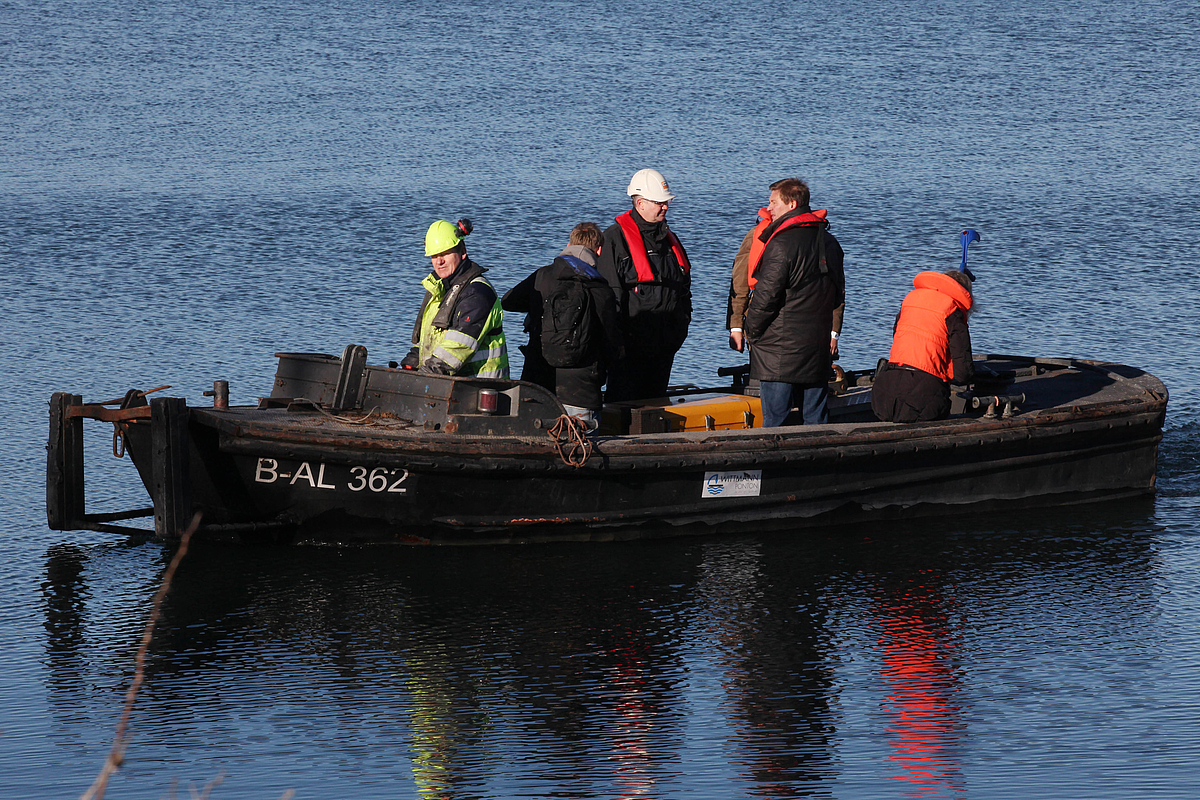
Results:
[921, 339]
[637, 249]
[757, 245]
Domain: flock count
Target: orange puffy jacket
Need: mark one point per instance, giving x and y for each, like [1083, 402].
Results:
[921, 339]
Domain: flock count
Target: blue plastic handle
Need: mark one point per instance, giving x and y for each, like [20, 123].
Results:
[968, 236]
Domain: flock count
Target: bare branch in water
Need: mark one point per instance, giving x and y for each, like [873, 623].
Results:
[208, 787]
[117, 755]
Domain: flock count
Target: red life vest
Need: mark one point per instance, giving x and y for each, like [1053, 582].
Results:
[757, 246]
[921, 339]
[637, 249]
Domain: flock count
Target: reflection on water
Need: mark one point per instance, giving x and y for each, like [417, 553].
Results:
[770, 623]
[917, 646]
[66, 595]
[742, 666]
[440, 737]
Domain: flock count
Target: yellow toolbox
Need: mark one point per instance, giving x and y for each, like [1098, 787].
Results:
[696, 412]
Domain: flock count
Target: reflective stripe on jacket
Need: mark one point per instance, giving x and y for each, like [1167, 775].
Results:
[637, 249]
[485, 357]
[921, 339]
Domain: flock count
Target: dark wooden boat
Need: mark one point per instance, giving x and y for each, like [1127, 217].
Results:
[347, 451]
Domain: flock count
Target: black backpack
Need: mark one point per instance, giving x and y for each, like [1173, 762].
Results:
[567, 323]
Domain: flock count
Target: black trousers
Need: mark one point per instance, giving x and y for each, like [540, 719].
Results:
[575, 386]
[639, 377]
[907, 394]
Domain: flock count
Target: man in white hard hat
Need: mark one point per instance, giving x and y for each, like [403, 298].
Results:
[649, 272]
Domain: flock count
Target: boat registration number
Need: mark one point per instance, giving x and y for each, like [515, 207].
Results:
[380, 480]
[742, 483]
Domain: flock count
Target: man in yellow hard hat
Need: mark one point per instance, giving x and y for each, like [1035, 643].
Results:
[648, 270]
[460, 327]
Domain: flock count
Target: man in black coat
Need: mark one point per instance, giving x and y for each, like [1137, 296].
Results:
[799, 283]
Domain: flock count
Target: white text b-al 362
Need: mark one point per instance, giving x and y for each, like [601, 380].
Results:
[377, 479]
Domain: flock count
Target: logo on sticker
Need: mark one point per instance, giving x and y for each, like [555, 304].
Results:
[744, 483]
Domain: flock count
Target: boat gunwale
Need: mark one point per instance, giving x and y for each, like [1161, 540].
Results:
[700, 448]
[738, 448]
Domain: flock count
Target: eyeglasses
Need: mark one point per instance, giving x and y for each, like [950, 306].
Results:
[663, 204]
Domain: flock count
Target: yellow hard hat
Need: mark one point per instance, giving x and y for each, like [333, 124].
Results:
[444, 236]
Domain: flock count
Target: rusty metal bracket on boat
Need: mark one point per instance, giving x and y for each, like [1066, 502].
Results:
[992, 402]
[219, 394]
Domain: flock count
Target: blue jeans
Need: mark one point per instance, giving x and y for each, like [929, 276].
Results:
[777, 402]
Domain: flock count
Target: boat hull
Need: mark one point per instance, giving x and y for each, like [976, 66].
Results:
[280, 474]
[844, 478]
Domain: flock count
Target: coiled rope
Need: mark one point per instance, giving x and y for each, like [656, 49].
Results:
[571, 441]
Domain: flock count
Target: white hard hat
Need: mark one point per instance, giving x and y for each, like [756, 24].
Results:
[650, 184]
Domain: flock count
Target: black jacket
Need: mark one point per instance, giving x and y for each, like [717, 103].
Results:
[578, 386]
[791, 309]
[654, 316]
[527, 296]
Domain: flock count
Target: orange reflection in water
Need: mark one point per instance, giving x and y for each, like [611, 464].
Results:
[924, 724]
[631, 738]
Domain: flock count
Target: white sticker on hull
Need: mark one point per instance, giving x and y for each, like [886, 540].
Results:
[743, 483]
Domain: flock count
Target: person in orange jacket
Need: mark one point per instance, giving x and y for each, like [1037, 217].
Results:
[931, 349]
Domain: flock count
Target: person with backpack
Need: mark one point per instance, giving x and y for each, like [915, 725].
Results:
[571, 319]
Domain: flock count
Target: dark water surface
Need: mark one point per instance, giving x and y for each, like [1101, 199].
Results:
[187, 188]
